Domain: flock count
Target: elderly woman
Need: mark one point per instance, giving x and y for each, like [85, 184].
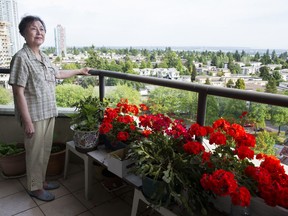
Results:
[33, 79]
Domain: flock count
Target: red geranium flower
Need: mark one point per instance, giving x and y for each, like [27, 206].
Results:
[241, 197]
[217, 138]
[193, 147]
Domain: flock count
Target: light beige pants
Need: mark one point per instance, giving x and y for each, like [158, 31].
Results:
[38, 149]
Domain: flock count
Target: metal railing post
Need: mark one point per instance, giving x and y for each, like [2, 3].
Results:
[201, 109]
[101, 87]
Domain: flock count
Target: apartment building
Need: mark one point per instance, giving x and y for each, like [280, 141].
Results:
[9, 14]
[60, 40]
[5, 54]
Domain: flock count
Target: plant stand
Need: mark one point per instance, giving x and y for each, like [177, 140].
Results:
[70, 147]
[139, 196]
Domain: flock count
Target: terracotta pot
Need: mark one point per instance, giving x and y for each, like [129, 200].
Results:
[13, 165]
[56, 161]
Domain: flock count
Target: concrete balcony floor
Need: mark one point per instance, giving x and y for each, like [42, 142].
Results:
[69, 200]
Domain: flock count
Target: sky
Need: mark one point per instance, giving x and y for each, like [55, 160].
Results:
[257, 24]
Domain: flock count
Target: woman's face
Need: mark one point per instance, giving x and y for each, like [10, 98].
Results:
[34, 34]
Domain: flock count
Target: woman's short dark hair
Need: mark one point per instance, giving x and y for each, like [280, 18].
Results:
[26, 21]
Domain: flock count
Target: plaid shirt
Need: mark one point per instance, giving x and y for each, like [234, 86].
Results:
[38, 79]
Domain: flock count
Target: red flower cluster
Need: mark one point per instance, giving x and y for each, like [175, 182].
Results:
[120, 123]
[228, 165]
[223, 183]
[162, 124]
[272, 181]
[223, 133]
[156, 123]
[193, 147]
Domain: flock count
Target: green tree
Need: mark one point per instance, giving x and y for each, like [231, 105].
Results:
[230, 83]
[264, 73]
[76, 51]
[256, 57]
[193, 73]
[89, 81]
[266, 59]
[57, 59]
[149, 64]
[265, 143]
[233, 109]
[240, 84]
[172, 60]
[128, 66]
[143, 65]
[123, 91]
[271, 86]
[207, 81]
[234, 68]
[258, 113]
[277, 76]
[212, 112]
[5, 96]
[113, 66]
[70, 66]
[279, 116]
[237, 56]
[172, 101]
[69, 94]
[94, 61]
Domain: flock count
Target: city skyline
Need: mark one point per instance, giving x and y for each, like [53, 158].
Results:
[258, 24]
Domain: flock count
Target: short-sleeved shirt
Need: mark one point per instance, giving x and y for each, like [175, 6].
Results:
[38, 79]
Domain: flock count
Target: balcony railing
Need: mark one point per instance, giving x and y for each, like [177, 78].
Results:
[202, 90]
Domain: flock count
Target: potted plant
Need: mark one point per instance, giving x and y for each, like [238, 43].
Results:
[86, 121]
[12, 160]
[158, 159]
[57, 159]
[120, 124]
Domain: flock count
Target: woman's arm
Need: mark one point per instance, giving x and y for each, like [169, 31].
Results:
[21, 103]
[63, 74]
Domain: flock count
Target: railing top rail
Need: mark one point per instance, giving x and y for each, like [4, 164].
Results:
[260, 97]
